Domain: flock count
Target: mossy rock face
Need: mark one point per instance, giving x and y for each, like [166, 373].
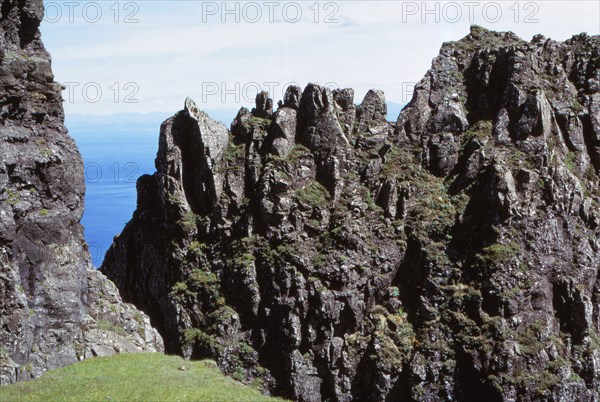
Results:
[258, 123]
[449, 255]
[314, 195]
[498, 253]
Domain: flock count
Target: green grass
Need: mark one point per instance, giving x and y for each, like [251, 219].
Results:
[133, 377]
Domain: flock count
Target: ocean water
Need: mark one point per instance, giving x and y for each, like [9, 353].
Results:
[116, 151]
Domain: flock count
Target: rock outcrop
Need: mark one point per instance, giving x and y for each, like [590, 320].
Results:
[451, 255]
[54, 308]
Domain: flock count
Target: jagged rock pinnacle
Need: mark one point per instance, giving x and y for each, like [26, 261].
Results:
[330, 254]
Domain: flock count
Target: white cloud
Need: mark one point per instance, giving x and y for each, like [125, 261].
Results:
[172, 53]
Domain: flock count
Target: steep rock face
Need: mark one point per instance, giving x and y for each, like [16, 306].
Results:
[336, 256]
[54, 308]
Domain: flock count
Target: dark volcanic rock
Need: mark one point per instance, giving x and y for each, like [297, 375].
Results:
[453, 256]
[54, 308]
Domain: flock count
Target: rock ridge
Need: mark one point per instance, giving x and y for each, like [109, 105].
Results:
[55, 309]
[328, 254]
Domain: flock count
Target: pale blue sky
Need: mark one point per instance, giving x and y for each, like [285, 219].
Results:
[182, 48]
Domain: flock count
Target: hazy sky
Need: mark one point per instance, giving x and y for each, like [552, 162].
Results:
[147, 56]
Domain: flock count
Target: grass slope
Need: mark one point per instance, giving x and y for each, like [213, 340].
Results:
[133, 377]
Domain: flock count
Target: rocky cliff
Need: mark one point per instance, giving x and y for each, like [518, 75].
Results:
[332, 255]
[54, 308]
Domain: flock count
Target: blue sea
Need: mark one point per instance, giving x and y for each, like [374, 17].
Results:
[116, 150]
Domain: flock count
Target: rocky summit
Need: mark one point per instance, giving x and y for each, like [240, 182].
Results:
[317, 250]
[328, 254]
[55, 309]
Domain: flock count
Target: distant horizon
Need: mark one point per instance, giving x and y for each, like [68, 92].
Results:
[218, 114]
